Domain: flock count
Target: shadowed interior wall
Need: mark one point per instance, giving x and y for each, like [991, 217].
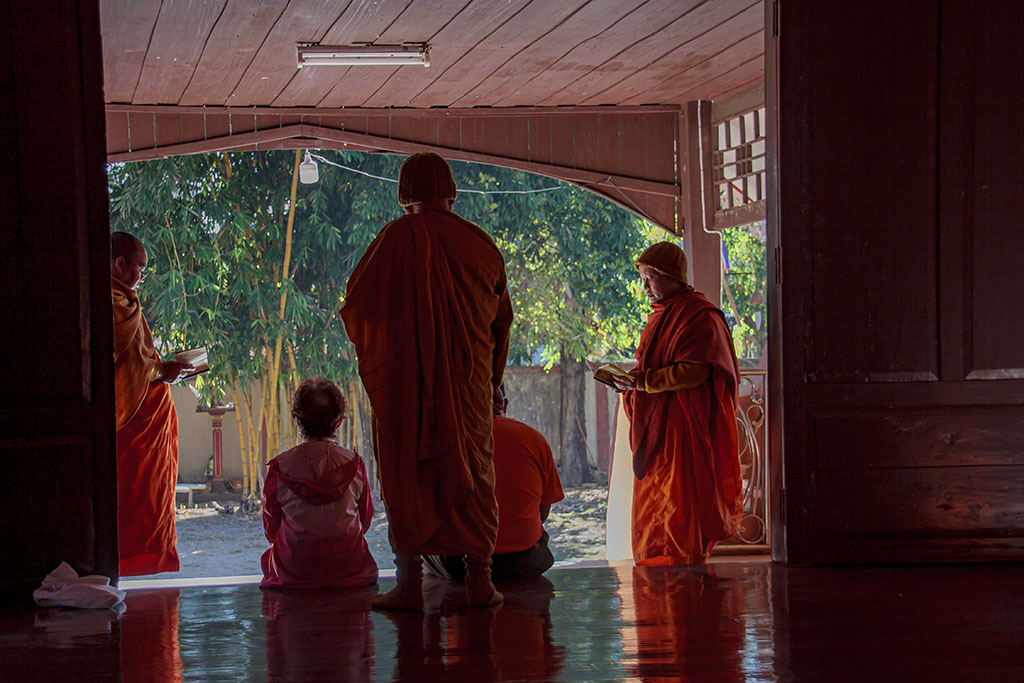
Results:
[56, 388]
[898, 347]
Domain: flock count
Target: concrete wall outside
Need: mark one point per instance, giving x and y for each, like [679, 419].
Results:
[533, 398]
[195, 440]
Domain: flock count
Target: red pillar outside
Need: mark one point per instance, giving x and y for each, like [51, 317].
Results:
[217, 419]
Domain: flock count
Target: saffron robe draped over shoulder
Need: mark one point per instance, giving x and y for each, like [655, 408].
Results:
[316, 512]
[429, 314]
[687, 492]
[147, 445]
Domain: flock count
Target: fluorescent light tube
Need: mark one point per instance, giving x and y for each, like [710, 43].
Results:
[360, 55]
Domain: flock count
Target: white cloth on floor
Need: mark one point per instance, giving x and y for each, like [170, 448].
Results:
[64, 625]
[63, 587]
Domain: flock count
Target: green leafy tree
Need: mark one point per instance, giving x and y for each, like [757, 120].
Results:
[743, 296]
[576, 295]
[254, 266]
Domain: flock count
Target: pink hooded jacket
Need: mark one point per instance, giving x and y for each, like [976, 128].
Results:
[316, 512]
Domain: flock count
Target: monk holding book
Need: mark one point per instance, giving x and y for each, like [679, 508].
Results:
[147, 426]
[428, 312]
[681, 402]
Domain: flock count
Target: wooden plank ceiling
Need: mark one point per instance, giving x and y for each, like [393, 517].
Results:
[492, 53]
[186, 76]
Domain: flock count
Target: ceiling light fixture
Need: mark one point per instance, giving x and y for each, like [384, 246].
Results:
[312, 54]
[308, 171]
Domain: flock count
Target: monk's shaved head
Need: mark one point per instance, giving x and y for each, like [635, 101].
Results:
[425, 177]
[123, 244]
[128, 259]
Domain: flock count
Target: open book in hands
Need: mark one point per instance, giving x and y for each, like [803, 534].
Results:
[196, 357]
[605, 372]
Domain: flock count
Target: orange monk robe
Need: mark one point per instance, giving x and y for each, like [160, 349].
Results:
[149, 636]
[687, 492]
[147, 444]
[429, 314]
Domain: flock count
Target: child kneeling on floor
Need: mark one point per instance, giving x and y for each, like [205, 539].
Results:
[316, 502]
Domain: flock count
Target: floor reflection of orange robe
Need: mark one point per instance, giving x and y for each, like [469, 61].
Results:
[689, 625]
[687, 492]
[147, 445]
[149, 636]
[521, 633]
[451, 642]
[428, 312]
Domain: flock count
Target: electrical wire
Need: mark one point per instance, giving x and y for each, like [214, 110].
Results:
[461, 189]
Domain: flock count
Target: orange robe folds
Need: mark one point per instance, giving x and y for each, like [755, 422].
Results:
[687, 491]
[147, 445]
[429, 314]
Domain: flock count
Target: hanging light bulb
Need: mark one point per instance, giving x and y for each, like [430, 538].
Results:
[308, 171]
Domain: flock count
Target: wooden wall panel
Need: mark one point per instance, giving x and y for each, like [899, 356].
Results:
[493, 137]
[859, 506]
[56, 391]
[627, 155]
[449, 132]
[541, 142]
[915, 437]
[886, 243]
[996, 200]
[660, 133]
[140, 131]
[896, 290]
[69, 535]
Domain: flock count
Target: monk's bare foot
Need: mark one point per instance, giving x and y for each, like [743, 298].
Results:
[399, 600]
[407, 595]
[484, 598]
[480, 592]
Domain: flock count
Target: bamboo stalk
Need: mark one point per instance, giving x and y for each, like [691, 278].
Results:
[261, 426]
[250, 482]
[283, 442]
[276, 366]
[343, 431]
[293, 426]
[294, 388]
[239, 411]
[354, 410]
[271, 403]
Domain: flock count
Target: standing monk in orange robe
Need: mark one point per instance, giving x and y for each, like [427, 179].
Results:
[428, 312]
[147, 426]
[681, 404]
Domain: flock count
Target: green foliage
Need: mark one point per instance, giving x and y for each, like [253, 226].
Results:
[214, 228]
[745, 282]
[569, 257]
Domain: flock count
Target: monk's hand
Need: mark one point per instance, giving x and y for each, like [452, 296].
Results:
[625, 383]
[172, 371]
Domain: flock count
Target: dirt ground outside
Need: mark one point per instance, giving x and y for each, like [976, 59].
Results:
[215, 539]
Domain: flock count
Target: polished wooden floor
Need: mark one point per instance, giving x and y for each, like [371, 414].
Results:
[723, 622]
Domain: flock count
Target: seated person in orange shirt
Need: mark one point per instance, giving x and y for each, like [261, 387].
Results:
[316, 502]
[526, 483]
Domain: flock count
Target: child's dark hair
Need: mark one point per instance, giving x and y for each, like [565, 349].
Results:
[317, 407]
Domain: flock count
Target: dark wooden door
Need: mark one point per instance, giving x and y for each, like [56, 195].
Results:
[58, 487]
[898, 306]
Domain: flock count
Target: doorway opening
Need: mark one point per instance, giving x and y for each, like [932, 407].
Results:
[222, 236]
